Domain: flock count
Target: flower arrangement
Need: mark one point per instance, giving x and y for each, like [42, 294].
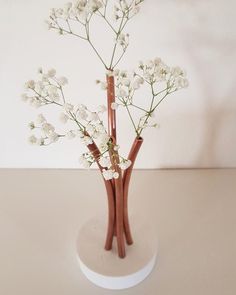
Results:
[120, 86]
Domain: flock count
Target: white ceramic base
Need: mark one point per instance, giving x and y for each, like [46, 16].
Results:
[105, 268]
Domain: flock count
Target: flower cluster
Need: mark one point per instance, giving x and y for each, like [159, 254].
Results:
[160, 78]
[126, 7]
[89, 125]
[48, 134]
[154, 71]
[46, 90]
[79, 10]
[123, 41]
[74, 19]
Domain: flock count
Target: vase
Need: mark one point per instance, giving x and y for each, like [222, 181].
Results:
[101, 267]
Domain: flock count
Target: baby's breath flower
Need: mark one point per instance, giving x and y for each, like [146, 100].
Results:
[47, 128]
[40, 119]
[82, 115]
[70, 134]
[68, 107]
[93, 116]
[86, 140]
[84, 162]
[62, 81]
[107, 174]
[116, 147]
[101, 109]
[115, 175]
[105, 162]
[63, 118]
[125, 164]
[31, 125]
[53, 136]
[103, 85]
[40, 141]
[32, 139]
[51, 73]
[114, 106]
[30, 84]
[110, 174]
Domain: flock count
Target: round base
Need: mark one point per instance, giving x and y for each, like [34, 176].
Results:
[105, 268]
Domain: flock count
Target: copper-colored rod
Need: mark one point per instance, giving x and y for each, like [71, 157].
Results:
[119, 210]
[111, 112]
[110, 195]
[126, 180]
[111, 124]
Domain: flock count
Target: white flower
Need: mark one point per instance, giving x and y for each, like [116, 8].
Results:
[68, 107]
[100, 128]
[109, 73]
[177, 71]
[52, 89]
[35, 103]
[105, 162]
[101, 109]
[68, 6]
[114, 106]
[136, 9]
[125, 164]
[51, 73]
[116, 148]
[104, 138]
[53, 136]
[31, 125]
[181, 82]
[82, 115]
[70, 134]
[48, 128]
[90, 129]
[40, 70]
[123, 40]
[107, 174]
[121, 92]
[126, 81]
[40, 141]
[103, 85]
[116, 72]
[39, 87]
[94, 5]
[45, 78]
[82, 107]
[63, 118]
[93, 116]
[115, 175]
[62, 81]
[54, 96]
[79, 133]
[87, 140]
[84, 162]
[32, 139]
[137, 82]
[40, 119]
[30, 84]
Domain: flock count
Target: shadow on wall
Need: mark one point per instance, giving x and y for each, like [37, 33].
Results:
[212, 53]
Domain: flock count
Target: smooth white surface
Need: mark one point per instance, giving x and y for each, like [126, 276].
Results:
[197, 125]
[104, 268]
[42, 210]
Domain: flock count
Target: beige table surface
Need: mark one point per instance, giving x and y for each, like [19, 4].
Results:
[194, 212]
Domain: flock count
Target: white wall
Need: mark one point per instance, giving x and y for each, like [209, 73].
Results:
[197, 125]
